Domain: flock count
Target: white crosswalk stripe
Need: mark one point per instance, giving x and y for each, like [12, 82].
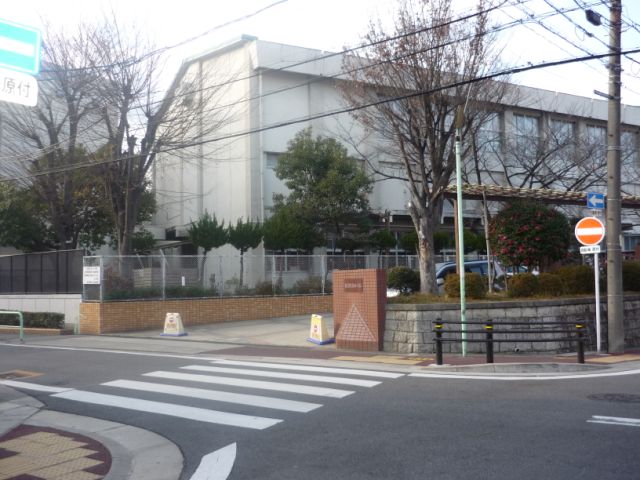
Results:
[238, 398]
[226, 373]
[171, 409]
[311, 368]
[289, 376]
[259, 384]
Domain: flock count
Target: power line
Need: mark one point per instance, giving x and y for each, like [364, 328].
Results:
[508, 71]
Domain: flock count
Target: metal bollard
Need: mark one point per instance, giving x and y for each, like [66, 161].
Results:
[488, 327]
[438, 329]
[580, 330]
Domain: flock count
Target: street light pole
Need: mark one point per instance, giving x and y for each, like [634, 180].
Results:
[615, 306]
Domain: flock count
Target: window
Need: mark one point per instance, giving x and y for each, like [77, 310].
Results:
[597, 135]
[526, 125]
[562, 132]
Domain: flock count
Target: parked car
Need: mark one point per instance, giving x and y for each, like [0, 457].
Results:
[470, 266]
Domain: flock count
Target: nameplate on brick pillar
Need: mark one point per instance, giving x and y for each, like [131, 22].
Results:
[359, 300]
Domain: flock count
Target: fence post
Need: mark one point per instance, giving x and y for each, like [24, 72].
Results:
[437, 327]
[101, 278]
[163, 271]
[488, 327]
[580, 330]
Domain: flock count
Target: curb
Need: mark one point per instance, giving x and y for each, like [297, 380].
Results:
[136, 453]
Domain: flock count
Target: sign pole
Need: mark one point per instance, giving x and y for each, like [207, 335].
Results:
[596, 274]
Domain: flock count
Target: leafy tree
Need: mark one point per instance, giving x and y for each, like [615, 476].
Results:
[284, 230]
[327, 188]
[143, 242]
[22, 220]
[409, 242]
[244, 236]
[419, 65]
[383, 240]
[207, 234]
[529, 233]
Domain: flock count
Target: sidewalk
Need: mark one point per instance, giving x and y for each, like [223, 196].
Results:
[41, 444]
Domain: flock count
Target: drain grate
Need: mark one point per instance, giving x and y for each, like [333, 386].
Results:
[12, 375]
[616, 397]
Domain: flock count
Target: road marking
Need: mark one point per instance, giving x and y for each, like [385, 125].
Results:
[312, 368]
[513, 378]
[243, 382]
[289, 376]
[171, 409]
[33, 386]
[216, 465]
[626, 422]
[216, 395]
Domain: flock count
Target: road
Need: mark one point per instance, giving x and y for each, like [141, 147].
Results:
[293, 421]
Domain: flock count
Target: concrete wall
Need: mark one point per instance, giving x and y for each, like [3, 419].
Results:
[69, 304]
[409, 327]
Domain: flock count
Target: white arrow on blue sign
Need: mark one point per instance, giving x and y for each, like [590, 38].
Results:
[595, 200]
[19, 47]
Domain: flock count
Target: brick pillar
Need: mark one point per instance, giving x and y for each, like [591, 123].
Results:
[359, 299]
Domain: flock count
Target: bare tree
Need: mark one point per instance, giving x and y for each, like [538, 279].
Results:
[415, 79]
[140, 120]
[51, 141]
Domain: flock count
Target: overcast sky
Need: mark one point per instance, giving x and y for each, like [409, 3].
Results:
[332, 24]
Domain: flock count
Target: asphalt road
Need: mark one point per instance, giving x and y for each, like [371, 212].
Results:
[387, 428]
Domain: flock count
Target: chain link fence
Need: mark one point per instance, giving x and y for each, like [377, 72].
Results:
[110, 278]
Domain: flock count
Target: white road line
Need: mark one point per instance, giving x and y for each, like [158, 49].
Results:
[312, 368]
[216, 395]
[171, 409]
[216, 465]
[626, 422]
[514, 378]
[242, 382]
[288, 376]
[33, 386]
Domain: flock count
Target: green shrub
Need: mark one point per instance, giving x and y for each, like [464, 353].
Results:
[523, 285]
[35, 320]
[549, 284]
[268, 288]
[576, 279]
[475, 286]
[403, 279]
[190, 292]
[307, 285]
[133, 294]
[631, 276]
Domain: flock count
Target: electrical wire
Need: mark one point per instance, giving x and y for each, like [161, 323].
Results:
[489, 76]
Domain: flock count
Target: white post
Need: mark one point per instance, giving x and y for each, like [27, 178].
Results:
[596, 274]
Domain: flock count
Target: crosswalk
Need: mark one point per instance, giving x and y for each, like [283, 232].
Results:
[230, 390]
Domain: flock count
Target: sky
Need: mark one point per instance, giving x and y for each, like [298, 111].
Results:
[541, 31]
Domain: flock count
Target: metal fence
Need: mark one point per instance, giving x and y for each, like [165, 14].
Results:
[59, 271]
[109, 278]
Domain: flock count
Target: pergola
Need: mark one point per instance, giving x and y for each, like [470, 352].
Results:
[559, 197]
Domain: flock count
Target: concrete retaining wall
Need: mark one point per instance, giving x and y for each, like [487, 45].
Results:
[409, 327]
[68, 304]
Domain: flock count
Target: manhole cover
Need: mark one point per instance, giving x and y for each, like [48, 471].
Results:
[616, 397]
[12, 375]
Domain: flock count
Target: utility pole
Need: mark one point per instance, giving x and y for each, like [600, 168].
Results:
[615, 306]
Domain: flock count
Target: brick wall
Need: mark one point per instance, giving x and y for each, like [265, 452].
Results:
[359, 299]
[111, 317]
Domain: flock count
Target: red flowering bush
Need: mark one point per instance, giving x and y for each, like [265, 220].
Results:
[529, 233]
